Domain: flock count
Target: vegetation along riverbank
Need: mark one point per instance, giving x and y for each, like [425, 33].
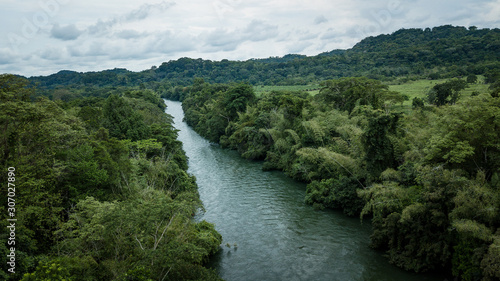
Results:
[403, 129]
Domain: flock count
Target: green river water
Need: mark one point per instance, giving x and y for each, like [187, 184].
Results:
[277, 235]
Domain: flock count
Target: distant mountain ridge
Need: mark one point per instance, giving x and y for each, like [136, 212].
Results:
[454, 50]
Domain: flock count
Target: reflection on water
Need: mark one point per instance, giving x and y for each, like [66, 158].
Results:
[269, 232]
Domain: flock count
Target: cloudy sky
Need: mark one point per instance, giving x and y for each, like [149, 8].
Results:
[41, 37]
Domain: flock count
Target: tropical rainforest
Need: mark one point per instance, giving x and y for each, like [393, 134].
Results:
[95, 150]
[102, 189]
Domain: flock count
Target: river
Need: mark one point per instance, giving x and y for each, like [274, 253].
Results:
[269, 232]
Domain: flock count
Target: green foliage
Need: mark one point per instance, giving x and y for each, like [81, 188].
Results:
[145, 148]
[250, 136]
[446, 217]
[446, 93]
[92, 116]
[158, 233]
[236, 99]
[419, 88]
[417, 103]
[148, 96]
[211, 108]
[471, 79]
[495, 87]
[379, 147]
[84, 175]
[34, 139]
[466, 259]
[466, 136]
[336, 194]
[473, 229]
[14, 88]
[48, 272]
[66, 268]
[323, 163]
[96, 207]
[411, 224]
[346, 93]
[476, 207]
[140, 273]
[490, 264]
[122, 122]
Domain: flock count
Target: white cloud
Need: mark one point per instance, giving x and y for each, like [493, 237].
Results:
[52, 54]
[141, 13]
[320, 19]
[129, 34]
[298, 47]
[492, 11]
[223, 39]
[68, 32]
[170, 43]
[229, 40]
[146, 10]
[7, 56]
[259, 31]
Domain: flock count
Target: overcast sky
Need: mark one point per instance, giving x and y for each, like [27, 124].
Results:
[41, 37]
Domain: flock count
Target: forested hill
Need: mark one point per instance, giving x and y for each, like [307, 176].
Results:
[447, 51]
[440, 46]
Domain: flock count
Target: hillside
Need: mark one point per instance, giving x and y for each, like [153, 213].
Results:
[445, 51]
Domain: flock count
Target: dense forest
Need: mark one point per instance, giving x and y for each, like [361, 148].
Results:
[92, 150]
[100, 188]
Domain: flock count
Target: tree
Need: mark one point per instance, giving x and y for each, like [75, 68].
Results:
[15, 88]
[471, 79]
[346, 93]
[48, 271]
[466, 136]
[123, 122]
[411, 224]
[495, 88]
[236, 99]
[378, 145]
[34, 137]
[417, 103]
[336, 194]
[446, 93]
[151, 230]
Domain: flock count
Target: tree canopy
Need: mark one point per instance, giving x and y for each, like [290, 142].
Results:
[104, 190]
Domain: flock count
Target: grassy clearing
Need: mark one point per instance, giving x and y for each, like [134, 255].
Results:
[312, 89]
[420, 88]
[412, 89]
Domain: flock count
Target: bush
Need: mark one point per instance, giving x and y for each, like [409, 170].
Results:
[336, 194]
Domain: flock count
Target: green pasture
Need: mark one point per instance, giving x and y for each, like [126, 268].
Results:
[312, 89]
[417, 88]
[420, 88]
